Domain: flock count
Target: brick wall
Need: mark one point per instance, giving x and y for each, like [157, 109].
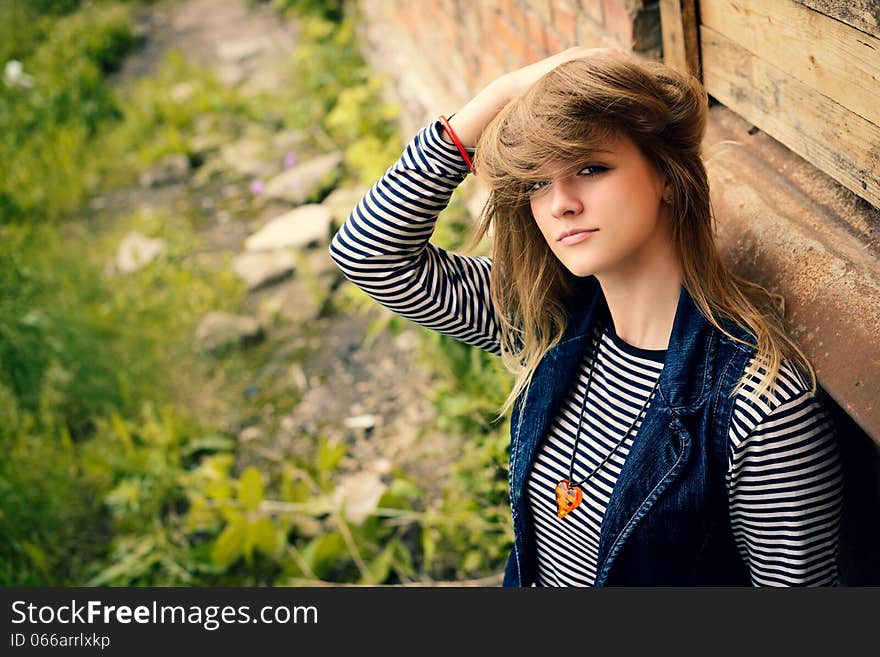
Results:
[441, 52]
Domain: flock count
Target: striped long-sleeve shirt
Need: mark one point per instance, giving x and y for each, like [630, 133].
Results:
[783, 478]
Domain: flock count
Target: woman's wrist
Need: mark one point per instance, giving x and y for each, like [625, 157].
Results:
[470, 121]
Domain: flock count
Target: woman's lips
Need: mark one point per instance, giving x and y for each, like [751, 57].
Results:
[576, 238]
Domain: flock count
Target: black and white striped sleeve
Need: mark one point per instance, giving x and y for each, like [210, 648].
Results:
[785, 487]
[383, 247]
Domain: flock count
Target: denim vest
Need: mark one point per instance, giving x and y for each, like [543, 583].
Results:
[667, 521]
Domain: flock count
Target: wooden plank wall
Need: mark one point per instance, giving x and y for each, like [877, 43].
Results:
[863, 15]
[678, 25]
[808, 79]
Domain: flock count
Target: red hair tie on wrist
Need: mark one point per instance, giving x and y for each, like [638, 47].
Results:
[458, 144]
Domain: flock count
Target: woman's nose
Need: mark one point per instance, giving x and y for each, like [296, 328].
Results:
[565, 201]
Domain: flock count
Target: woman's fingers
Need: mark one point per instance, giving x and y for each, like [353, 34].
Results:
[523, 78]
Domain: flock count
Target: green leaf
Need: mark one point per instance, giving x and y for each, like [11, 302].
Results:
[294, 488]
[263, 536]
[323, 553]
[230, 545]
[329, 455]
[430, 539]
[218, 490]
[37, 556]
[399, 495]
[212, 443]
[403, 559]
[133, 565]
[472, 561]
[380, 567]
[199, 516]
[250, 490]
[217, 465]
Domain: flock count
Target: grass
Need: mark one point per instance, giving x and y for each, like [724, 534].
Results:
[114, 473]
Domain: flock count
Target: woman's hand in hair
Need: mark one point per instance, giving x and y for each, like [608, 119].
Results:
[469, 122]
[521, 79]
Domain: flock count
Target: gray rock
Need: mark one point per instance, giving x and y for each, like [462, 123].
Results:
[249, 157]
[366, 421]
[225, 235]
[291, 301]
[263, 268]
[170, 169]
[297, 228]
[238, 50]
[231, 75]
[137, 250]
[219, 330]
[250, 433]
[320, 265]
[296, 184]
[207, 144]
[357, 496]
[342, 201]
[289, 140]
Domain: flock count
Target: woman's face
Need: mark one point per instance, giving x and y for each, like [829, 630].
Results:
[617, 196]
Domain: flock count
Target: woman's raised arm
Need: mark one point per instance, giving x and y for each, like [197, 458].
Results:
[383, 247]
[470, 121]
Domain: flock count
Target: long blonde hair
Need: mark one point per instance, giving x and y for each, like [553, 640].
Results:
[560, 119]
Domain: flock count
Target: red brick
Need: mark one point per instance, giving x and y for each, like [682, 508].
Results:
[619, 18]
[533, 55]
[493, 44]
[513, 12]
[489, 69]
[472, 76]
[564, 20]
[593, 9]
[469, 27]
[554, 43]
[487, 15]
[514, 42]
[470, 53]
[541, 8]
[535, 32]
[447, 27]
[591, 35]
[508, 7]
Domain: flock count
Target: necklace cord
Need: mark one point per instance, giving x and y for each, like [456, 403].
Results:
[577, 437]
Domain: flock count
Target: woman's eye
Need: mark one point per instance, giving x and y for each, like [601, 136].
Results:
[589, 170]
[538, 186]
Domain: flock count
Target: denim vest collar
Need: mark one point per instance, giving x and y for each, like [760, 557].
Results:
[652, 464]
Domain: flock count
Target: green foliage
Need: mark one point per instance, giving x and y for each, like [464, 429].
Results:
[67, 338]
[80, 353]
[331, 10]
[161, 116]
[22, 24]
[475, 536]
[49, 116]
[50, 525]
[337, 91]
[107, 478]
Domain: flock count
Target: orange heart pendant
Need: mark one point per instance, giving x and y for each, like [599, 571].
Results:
[567, 498]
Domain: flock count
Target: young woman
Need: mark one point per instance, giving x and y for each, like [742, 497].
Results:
[665, 430]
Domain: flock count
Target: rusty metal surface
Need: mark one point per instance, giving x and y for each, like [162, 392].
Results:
[789, 227]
